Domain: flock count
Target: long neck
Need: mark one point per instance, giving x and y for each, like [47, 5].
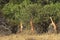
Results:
[51, 19]
[54, 25]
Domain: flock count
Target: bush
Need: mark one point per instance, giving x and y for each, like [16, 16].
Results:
[40, 15]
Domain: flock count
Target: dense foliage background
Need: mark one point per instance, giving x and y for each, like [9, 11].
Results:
[16, 11]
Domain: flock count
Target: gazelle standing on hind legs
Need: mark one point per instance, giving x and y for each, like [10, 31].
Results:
[54, 25]
[20, 26]
[31, 24]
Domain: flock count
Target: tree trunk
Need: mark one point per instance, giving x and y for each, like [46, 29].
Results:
[31, 24]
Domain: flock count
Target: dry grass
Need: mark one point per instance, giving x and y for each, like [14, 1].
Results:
[31, 37]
